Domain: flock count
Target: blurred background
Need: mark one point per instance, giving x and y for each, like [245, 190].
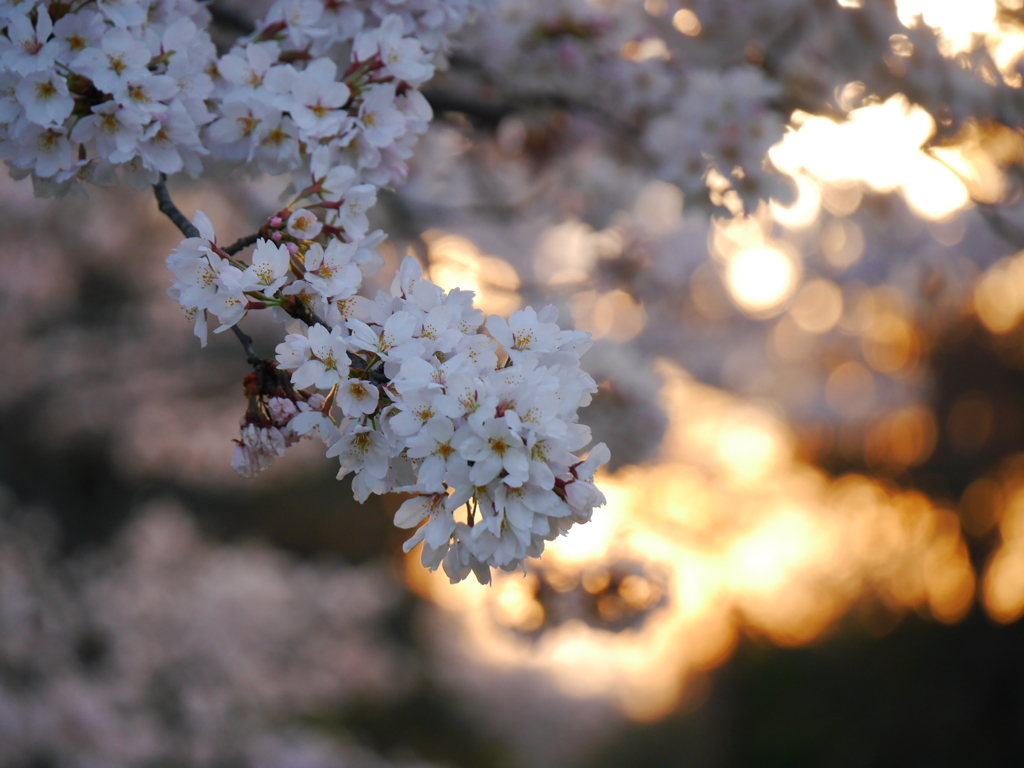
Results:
[794, 229]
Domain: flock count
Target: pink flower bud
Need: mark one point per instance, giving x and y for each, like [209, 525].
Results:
[292, 247]
[275, 236]
[276, 222]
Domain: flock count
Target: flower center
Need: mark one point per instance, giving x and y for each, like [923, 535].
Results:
[248, 124]
[45, 90]
[138, 93]
[118, 64]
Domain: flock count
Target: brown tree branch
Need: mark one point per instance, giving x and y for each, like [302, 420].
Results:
[170, 210]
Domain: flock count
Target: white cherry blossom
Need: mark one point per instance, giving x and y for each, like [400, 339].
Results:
[31, 48]
[316, 98]
[45, 150]
[358, 398]
[120, 59]
[44, 96]
[303, 225]
[331, 270]
[319, 358]
[269, 268]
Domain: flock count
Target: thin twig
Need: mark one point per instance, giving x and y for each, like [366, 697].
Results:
[170, 210]
[489, 113]
[188, 229]
[376, 375]
[246, 340]
[242, 243]
[232, 20]
[308, 316]
[1009, 231]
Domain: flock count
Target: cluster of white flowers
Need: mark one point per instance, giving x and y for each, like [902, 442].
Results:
[403, 388]
[209, 280]
[314, 80]
[87, 88]
[406, 392]
[137, 85]
[429, 408]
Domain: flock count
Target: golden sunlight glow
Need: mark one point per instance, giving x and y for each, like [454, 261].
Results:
[842, 243]
[686, 21]
[614, 315]
[656, 7]
[1003, 501]
[881, 147]
[956, 20]
[759, 273]
[999, 295]
[1006, 47]
[962, 23]
[902, 439]
[977, 156]
[805, 209]
[456, 262]
[566, 252]
[760, 278]
[818, 306]
[881, 143]
[726, 533]
[642, 50]
[659, 207]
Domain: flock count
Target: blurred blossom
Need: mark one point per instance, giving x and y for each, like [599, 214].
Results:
[170, 648]
[627, 410]
[97, 347]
